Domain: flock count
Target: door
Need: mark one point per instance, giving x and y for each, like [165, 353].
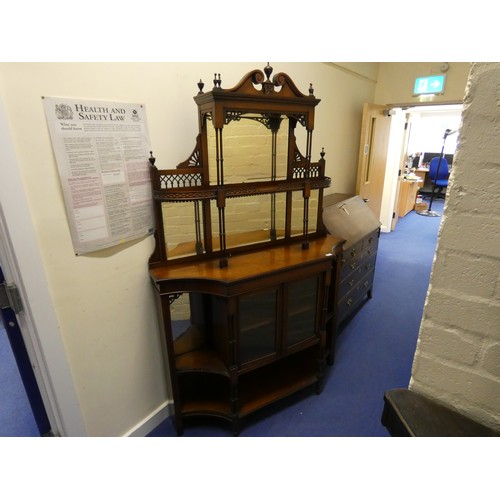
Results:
[402, 163]
[373, 151]
[9, 304]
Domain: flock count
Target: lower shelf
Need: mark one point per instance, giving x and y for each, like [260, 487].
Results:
[271, 383]
[204, 394]
[207, 394]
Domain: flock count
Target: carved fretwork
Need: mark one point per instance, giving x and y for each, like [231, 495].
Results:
[270, 121]
[232, 116]
[298, 156]
[195, 159]
[249, 189]
[180, 180]
[302, 172]
[300, 118]
[173, 297]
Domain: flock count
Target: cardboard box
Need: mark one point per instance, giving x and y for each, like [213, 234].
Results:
[420, 207]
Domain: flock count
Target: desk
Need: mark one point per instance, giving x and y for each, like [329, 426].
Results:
[407, 194]
[422, 172]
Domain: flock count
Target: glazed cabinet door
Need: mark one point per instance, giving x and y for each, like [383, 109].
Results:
[258, 325]
[279, 319]
[301, 310]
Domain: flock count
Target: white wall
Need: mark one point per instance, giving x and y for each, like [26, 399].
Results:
[396, 80]
[103, 302]
[427, 131]
[457, 360]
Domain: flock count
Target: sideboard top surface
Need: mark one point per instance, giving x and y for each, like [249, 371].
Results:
[248, 265]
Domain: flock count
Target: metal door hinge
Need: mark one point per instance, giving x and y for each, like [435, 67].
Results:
[10, 297]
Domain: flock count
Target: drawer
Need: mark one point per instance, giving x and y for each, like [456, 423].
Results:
[361, 277]
[365, 259]
[349, 303]
[350, 282]
[368, 264]
[355, 294]
[349, 267]
[371, 240]
[353, 252]
[370, 248]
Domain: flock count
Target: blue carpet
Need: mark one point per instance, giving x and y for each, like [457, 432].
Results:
[374, 353]
[16, 417]
[374, 350]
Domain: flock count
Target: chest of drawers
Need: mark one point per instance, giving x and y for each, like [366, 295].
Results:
[356, 275]
[349, 218]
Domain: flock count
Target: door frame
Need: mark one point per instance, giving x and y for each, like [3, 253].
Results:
[397, 149]
[22, 264]
[15, 338]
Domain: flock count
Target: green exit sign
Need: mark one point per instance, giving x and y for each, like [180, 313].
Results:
[429, 85]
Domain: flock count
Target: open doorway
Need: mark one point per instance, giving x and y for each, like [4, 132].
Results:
[425, 127]
[433, 131]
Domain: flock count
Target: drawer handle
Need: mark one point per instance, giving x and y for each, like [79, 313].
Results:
[369, 252]
[366, 284]
[353, 253]
[370, 239]
[351, 282]
[349, 302]
[353, 265]
[368, 266]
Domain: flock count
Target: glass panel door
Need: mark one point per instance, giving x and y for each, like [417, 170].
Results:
[258, 323]
[302, 300]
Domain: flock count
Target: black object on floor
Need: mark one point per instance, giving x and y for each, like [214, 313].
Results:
[409, 414]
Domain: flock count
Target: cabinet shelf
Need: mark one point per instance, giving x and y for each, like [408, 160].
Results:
[204, 394]
[204, 397]
[201, 360]
[257, 325]
[280, 379]
[300, 310]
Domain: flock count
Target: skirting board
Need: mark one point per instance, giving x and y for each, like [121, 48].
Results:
[145, 426]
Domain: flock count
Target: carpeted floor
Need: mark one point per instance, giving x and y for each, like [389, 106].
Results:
[16, 417]
[374, 351]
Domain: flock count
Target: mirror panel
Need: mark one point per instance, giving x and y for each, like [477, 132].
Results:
[313, 211]
[298, 212]
[189, 322]
[248, 152]
[250, 220]
[182, 222]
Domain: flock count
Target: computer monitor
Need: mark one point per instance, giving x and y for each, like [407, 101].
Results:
[427, 157]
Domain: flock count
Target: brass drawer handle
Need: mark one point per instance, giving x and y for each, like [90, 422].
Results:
[349, 302]
[353, 253]
[351, 282]
[353, 265]
[368, 266]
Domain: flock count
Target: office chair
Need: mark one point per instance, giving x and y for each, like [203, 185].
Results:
[439, 179]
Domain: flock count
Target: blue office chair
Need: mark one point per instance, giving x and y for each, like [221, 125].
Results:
[439, 179]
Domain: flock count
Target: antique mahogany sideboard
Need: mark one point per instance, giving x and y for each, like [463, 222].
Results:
[243, 270]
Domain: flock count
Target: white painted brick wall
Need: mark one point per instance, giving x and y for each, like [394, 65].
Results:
[457, 360]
